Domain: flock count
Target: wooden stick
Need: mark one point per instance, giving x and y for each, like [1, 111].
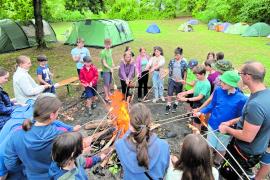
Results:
[94, 125]
[109, 143]
[103, 133]
[107, 158]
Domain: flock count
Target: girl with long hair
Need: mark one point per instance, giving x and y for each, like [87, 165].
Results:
[142, 154]
[194, 161]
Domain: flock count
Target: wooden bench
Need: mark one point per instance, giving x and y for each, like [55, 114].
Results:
[68, 82]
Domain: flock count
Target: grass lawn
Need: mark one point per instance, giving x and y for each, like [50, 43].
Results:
[196, 45]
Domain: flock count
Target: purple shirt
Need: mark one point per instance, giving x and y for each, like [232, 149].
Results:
[126, 71]
[212, 77]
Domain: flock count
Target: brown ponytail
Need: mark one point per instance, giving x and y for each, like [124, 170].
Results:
[45, 104]
[140, 119]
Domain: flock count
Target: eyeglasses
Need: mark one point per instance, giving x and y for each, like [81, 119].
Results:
[244, 73]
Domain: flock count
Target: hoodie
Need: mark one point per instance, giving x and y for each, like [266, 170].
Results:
[159, 158]
[33, 149]
[78, 173]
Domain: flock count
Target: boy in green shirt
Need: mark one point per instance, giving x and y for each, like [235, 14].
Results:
[201, 92]
[107, 67]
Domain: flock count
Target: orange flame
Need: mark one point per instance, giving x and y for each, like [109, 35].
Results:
[120, 112]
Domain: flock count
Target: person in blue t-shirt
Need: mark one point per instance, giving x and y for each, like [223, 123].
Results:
[226, 98]
[44, 74]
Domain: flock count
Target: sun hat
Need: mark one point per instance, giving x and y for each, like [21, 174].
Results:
[192, 63]
[231, 78]
[222, 66]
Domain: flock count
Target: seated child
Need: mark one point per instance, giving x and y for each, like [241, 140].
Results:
[126, 74]
[177, 76]
[68, 162]
[193, 162]
[201, 92]
[44, 75]
[89, 79]
[227, 103]
[211, 56]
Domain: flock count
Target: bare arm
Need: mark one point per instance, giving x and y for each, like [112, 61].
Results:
[40, 80]
[247, 134]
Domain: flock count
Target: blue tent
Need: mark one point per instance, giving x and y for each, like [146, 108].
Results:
[193, 22]
[153, 28]
[212, 23]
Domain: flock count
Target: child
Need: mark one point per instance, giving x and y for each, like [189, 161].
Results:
[31, 145]
[68, 163]
[201, 92]
[227, 103]
[126, 74]
[141, 63]
[6, 105]
[89, 79]
[213, 74]
[128, 49]
[142, 154]
[44, 75]
[107, 67]
[220, 56]
[193, 162]
[211, 56]
[191, 77]
[177, 76]
[156, 64]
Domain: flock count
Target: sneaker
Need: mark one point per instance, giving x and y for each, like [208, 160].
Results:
[139, 99]
[56, 85]
[250, 173]
[162, 99]
[93, 105]
[174, 108]
[155, 100]
[89, 111]
[167, 111]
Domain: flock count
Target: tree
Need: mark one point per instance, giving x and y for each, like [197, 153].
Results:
[95, 6]
[37, 4]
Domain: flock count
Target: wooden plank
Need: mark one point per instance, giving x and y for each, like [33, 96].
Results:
[68, 81]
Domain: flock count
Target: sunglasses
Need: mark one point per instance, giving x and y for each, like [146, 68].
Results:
[244, 73]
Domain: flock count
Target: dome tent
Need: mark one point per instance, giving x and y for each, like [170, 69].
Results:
[257, 30]
[153, 28]
[94, 31]
[238, 28]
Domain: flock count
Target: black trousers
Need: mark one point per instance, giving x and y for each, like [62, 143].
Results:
[143, 84]
[125, 89]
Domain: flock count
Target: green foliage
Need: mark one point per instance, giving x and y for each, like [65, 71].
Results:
[255, 11]
[123, 9]
[95, 6]
[231, 10]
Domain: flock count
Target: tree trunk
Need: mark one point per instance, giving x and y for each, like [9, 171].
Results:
[39, 24]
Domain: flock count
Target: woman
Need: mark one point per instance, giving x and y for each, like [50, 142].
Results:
[141, 63]
[194, 161]
[142, 154]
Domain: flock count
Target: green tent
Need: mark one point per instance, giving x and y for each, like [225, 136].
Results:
[238, 28]
[94, 32]
[257, 29]
[12, 36]
[18, 35]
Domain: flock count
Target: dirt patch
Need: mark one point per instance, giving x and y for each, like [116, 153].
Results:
[74, 112]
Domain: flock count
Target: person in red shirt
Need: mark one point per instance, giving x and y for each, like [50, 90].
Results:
[89, 79]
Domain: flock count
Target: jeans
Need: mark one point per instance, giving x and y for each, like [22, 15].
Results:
[158, 84]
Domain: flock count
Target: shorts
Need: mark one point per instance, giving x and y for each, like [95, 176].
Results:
[265, 158]
[107, 78]
[90, 92]
[214, 143]
[176, 87]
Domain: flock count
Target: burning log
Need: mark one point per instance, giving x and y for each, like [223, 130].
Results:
[94, 125]
[102, 134]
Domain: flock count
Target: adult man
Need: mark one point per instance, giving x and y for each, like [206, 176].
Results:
[251, 135]
[24, 86]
